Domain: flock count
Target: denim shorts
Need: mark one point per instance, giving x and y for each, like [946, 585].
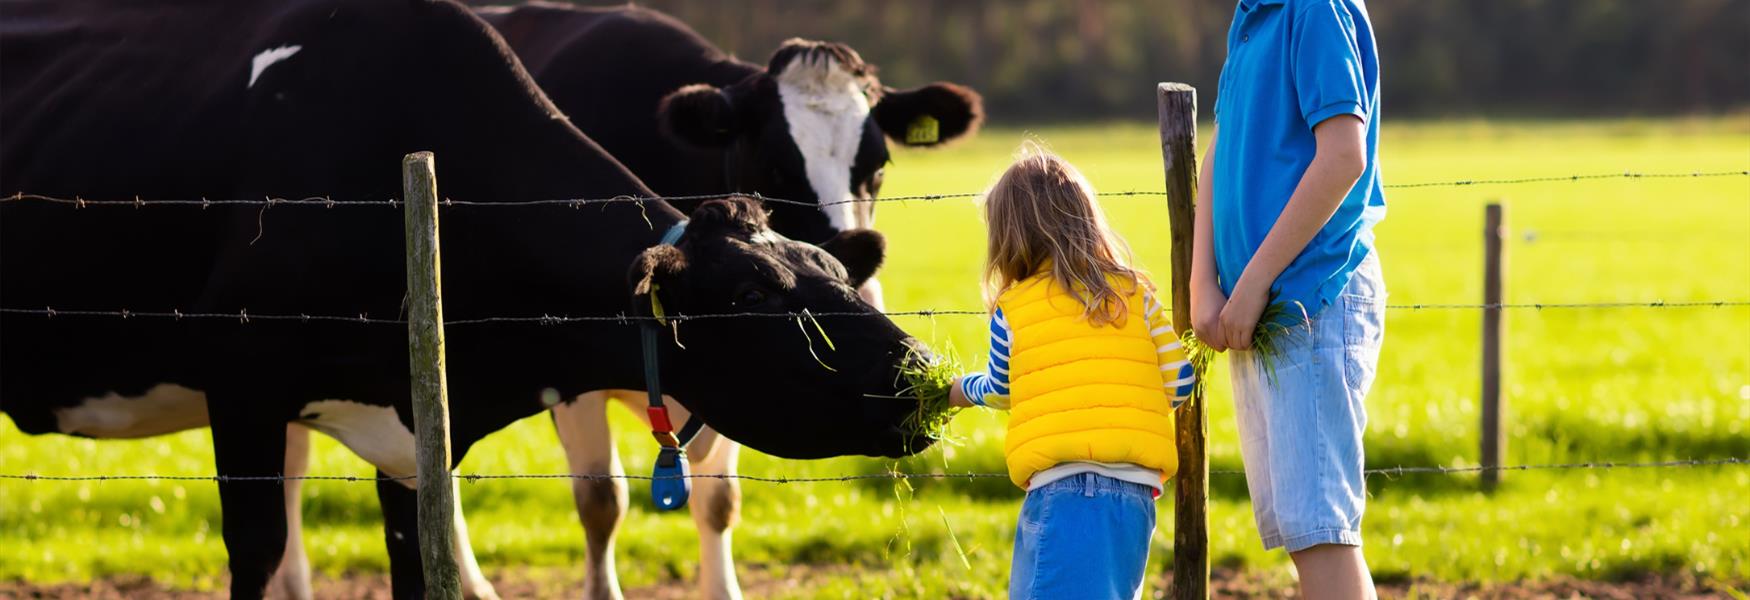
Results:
[1083, 536]
[1301, 426]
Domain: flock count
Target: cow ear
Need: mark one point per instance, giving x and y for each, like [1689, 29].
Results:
[698, 115]
[655, 270]
[861, 251]
[930, 115]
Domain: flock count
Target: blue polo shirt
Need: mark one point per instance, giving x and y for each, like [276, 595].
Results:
[1292, 64]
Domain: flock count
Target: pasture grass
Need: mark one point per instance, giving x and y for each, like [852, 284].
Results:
[1628, 384]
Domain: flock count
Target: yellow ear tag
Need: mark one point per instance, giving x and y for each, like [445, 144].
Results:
[923, 130]
[656, 305]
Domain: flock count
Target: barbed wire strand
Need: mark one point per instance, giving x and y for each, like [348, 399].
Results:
[780, 479]
[244, 316]
[328, 202]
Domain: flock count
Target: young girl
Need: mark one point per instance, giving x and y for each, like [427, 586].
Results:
[1085, 360]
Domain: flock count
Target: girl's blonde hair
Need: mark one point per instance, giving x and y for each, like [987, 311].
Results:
[1043, 211]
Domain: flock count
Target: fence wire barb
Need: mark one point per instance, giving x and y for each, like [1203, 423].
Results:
[327, 202]
[244, 316]
[780, 479]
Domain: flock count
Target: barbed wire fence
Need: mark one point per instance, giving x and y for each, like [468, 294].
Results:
[327, 202]
[1188, 562]
[243, 316]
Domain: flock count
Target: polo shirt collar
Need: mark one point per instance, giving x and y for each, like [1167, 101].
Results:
[1251, 4]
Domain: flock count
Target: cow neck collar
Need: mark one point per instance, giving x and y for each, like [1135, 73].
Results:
[669, 483]
[674, 233]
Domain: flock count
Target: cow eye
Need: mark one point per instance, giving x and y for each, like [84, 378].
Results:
[777, 177]
[750, 297]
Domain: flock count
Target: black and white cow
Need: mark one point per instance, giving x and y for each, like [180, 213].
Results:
[811, 126]
[114, 99]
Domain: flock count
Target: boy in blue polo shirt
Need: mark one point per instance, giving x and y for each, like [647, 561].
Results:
[1289, 195]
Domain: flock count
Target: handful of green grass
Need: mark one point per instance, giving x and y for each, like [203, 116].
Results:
[1272, 326]
[929, 379]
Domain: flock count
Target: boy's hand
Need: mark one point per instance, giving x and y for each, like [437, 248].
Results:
[1206, 306]
[1240, 317]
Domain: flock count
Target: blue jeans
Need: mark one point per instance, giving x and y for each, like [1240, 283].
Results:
[1301, 427]
[1083, 536]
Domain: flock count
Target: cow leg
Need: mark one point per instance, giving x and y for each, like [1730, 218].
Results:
[601, 503]
[715, 503]
[475, 586]
[248, 443]
[292, 580]
[400, 504]
[716, 507]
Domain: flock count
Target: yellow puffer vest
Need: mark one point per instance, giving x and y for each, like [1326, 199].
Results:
[1079, 393]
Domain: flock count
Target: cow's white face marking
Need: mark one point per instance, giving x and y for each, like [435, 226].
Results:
[826, 109]
[372, 432]
[166, 408]
[266, 59]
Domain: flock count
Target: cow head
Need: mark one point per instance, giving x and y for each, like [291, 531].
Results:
[792, 387]
[812, 127]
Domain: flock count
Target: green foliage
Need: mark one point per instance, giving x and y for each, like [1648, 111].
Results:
[1051, 59]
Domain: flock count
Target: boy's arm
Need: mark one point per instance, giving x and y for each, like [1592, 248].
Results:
[990, 388]
[1176, 372]
[1206, 297]
[1331, 85]
[1339, 161]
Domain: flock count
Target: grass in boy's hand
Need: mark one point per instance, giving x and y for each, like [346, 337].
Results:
[1279, 319]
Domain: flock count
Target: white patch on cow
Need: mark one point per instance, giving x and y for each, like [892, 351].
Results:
[826, 108]
[767, 236]
[166, 408]
[372, 432]
[267, 58]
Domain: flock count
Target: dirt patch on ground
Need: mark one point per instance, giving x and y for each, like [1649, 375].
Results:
[761, 583]
[512, 584]
[1229, 584]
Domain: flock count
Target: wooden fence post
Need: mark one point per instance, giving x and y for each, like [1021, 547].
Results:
[1494, 441]
[1177, 105]
[431, 403]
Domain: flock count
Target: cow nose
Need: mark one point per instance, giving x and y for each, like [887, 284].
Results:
[917, 354]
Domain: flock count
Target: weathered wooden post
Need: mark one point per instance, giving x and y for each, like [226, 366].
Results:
[1177, 103]
[431, 402]
[1493, 441]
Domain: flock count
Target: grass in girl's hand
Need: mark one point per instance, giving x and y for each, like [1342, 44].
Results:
[929, 378]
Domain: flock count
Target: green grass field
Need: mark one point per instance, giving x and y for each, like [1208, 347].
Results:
[1628, 384]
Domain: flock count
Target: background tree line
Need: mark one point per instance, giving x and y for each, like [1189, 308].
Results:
[1082, 59]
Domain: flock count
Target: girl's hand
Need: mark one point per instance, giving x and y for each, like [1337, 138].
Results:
[1207, 302]
[1240, 317]
[957, 396]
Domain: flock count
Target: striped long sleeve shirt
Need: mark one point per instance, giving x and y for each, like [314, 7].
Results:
[991, 387]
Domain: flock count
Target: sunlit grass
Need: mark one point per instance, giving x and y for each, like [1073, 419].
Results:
[1581, 384]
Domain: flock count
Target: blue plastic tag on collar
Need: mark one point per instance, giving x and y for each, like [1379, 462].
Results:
[670, 484]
